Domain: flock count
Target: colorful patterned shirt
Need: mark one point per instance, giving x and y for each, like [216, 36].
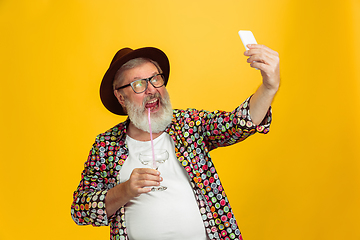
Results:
[195, 134]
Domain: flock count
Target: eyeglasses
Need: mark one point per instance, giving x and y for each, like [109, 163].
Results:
[141, 85]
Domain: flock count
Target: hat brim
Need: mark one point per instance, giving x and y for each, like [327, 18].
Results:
[106, 88]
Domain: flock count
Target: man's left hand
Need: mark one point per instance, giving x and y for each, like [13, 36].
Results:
[267, 61]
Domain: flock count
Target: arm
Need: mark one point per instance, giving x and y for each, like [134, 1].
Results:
[221, 128]
[96, 198]
[267, 61]
[88, 204]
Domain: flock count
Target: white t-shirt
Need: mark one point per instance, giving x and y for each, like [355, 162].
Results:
[170, 214]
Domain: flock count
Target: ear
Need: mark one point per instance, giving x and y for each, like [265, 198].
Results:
[120, 98]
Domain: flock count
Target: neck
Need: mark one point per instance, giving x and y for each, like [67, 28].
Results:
[139, 134]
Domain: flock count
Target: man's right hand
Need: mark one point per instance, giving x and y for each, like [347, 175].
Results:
[140, 181]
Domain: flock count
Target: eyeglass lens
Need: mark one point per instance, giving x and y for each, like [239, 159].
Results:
[141, 85]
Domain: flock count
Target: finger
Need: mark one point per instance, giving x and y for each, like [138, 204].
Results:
[141, 190]
[146, 171]
[253, 51]
[147, 183]
[260, 53]
[257, 49]
[263, 47]
[149, 177]
[259, 65]
[264, 57]
[267, 71]
[144, 190]
[139, 186]
[138, 179]
[141, 174]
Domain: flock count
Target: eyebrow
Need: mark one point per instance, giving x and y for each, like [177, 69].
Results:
[139, 78]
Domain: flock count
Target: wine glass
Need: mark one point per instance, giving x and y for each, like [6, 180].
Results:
[146, 158]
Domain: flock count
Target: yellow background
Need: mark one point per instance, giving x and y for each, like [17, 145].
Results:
[301, 181]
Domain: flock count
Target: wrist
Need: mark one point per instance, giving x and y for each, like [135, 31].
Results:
[269, 90]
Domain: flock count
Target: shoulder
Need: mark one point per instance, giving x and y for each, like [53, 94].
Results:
[189, 117]
[189, 113]
[116, 132]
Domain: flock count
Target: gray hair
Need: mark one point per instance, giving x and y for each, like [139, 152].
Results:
[133, 63]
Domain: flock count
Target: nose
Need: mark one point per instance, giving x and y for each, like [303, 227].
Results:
[150, 89]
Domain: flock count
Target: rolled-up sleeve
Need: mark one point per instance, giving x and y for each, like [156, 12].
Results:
[221, 128]
[244, 118]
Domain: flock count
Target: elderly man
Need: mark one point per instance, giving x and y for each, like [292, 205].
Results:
[116, 189]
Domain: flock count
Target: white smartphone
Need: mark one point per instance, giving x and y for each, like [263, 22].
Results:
[247, 37]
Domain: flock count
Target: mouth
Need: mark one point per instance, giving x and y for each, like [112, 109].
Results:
[153, 104]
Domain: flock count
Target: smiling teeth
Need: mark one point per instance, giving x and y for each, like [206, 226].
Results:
[153, 101]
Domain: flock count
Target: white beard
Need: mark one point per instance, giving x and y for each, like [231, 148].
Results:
[159, 120]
